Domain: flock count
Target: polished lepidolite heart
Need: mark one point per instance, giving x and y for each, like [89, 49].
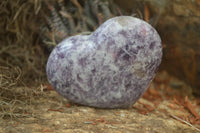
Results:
[111, 68]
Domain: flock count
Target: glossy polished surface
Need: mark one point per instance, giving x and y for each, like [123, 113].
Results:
[111, 68]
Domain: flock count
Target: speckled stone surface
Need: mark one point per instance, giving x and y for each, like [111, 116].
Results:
[111, 68]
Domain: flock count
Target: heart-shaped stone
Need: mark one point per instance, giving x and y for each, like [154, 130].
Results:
[111, 68]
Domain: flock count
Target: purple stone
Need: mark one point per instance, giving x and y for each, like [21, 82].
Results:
[111, 68]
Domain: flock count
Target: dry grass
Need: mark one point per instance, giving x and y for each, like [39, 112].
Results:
[13, 100]
[21, 56]
[19, 37]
